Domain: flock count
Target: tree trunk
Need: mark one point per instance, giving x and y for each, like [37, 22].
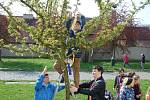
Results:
[60, 67]
[0, 55]
[76, 70]
[86, 56]
[90, 57]
[67, 83]
[114, 53]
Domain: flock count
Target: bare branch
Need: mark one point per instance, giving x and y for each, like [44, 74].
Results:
[22, 1]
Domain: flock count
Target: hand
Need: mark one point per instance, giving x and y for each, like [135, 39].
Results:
[73, 89]
[45, 69]
[137, 96]
[140, 94]
[72, 84]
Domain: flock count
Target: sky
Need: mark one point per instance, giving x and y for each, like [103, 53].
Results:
[88, 8]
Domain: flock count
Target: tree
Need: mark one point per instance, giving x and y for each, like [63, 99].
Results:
[128, 34]
[51, 33]
[3, 30]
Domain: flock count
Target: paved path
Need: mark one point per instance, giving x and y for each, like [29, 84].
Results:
[22, 75]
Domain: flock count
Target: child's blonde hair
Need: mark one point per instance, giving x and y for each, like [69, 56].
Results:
[136, 77]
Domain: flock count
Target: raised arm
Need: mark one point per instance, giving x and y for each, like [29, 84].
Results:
[40, 79]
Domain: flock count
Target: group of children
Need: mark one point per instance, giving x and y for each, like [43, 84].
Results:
[128, 86]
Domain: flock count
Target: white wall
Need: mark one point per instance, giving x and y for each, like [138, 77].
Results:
[135, 53]
[8, 53]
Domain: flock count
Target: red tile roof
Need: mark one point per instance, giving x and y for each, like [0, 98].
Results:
[4, 29]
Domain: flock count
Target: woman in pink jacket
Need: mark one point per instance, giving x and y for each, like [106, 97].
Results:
[126, 60]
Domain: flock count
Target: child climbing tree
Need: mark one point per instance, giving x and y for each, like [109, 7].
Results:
[61, 36]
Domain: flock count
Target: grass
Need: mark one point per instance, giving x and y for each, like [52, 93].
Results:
[26, 91]
[26, 64]
[37, 64]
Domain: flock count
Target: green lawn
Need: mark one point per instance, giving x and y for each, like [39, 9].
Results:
[26, 92]
[37, 64]
[26, 64]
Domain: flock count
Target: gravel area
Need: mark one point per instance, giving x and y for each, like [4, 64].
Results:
[22, 75]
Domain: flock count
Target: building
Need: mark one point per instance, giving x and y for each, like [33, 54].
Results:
[137, 40]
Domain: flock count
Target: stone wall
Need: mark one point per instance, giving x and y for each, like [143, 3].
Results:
[135, 53]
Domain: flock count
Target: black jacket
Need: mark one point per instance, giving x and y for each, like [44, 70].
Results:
[118, 81]
[143, 59]
[95, 89]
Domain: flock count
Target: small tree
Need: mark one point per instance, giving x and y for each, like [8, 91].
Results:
[51, 33]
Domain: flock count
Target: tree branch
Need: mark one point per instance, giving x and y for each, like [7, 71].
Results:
[22, 1]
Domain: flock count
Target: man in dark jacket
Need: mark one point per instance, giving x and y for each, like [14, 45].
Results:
[95, 89]
[142, 61]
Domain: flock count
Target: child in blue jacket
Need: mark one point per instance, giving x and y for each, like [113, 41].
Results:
[44, 90]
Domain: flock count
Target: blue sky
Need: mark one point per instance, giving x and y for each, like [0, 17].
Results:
[88, 8]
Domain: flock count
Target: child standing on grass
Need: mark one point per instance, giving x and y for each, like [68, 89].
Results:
[127, 91]
[142, 61]
[137, 89]
[44, 90]
[148, 94]
[118, 82]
